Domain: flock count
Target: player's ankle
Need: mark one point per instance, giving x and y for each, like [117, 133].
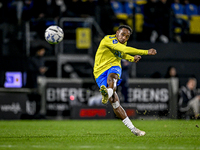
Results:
[133, 129]
[127, 122]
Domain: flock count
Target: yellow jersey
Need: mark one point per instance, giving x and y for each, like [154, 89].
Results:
[110, 52]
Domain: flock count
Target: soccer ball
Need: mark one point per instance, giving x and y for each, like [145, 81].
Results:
[54, 34]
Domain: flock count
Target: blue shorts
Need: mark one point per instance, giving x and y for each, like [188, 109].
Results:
[102, 79]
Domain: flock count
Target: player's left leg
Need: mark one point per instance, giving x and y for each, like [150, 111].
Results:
[117, 108]
[120, 113]
[109, 93]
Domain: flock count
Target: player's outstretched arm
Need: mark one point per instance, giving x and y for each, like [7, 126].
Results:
[152, 51]
[130, 58]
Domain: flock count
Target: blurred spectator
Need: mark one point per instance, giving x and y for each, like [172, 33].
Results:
[79, 8]
[62, 6]
[171, 72]
[12, 11]
[47, 9]
[12, 16]
[95, 100]
[46, 12]
[10, 26]
[36, 67]
[189, 99]
[88, 8]
[106, 17]
[185, 2]
[125, 76]
[72, 9]
[179, 21]
[190, 8]
[28, 12]
[156, 20]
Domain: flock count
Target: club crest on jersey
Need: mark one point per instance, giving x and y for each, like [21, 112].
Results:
[115, 41]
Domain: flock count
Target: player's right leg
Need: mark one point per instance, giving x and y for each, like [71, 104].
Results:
[104, 93]
[107, 93]
[102, 83]
[108, 82]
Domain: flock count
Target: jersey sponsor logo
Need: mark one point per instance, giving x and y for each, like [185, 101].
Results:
[115, 41]
[111, 37]
[118, 54]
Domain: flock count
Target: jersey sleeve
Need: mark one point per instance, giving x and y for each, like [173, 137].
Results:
[128, 57]
[130, 50]
[113, 44]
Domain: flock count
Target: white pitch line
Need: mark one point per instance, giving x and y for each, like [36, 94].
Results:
[6, 146]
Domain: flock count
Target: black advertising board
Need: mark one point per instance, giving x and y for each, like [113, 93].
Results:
[14, 105]
[61, 96]
[149, 98]
[145, 96]
[96, 112]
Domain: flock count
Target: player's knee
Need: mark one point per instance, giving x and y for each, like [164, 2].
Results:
[113, 75]
[112, 81]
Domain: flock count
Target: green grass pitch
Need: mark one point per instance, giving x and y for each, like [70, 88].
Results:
[99, 135]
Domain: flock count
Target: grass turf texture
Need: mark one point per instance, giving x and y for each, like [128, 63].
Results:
[99, 135]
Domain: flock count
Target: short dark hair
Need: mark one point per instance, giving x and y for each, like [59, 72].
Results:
[192, 78]
[38, 48]
[125, 26]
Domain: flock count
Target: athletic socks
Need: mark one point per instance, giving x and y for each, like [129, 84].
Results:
[127, 122]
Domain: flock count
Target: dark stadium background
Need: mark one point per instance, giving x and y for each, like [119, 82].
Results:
[21, 32]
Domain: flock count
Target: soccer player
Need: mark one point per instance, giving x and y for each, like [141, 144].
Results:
[107, 69]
